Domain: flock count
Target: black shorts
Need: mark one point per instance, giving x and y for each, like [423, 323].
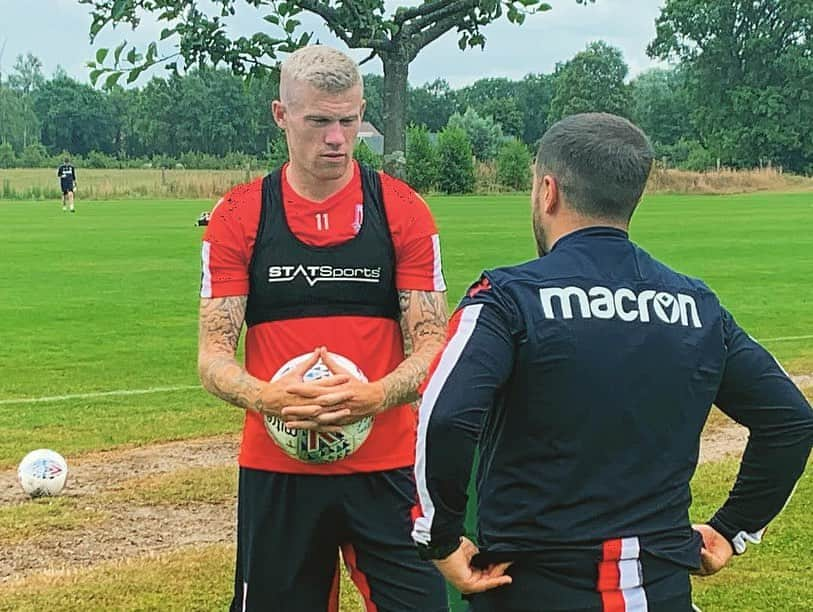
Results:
[290, 528]
[569, 581]
[67, 188]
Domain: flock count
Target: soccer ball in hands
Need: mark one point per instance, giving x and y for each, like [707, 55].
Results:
[312, 446]
[42, 472]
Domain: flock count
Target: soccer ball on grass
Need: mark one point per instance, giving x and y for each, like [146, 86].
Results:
[42, 472]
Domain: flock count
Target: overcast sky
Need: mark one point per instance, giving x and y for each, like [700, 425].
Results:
[56, 31]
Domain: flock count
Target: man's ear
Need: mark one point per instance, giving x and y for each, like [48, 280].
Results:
[549, 194]
[278, 112]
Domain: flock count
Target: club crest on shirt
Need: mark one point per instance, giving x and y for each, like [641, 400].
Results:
[358, 219]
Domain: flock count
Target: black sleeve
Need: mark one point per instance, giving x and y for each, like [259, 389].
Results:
[460, 390]
[73, 172]
[756, 392]
[59, 172]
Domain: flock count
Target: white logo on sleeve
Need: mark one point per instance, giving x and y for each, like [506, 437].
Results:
[624, 304]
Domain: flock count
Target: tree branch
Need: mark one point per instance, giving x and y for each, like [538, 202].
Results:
[417, 11]
[455, 9]
[421, 39]
[333, 19]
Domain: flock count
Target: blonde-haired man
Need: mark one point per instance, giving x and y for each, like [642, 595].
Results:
[330, 263]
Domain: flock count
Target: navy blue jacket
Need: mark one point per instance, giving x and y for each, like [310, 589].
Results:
[586, 377]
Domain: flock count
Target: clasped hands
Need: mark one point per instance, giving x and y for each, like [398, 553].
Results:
[325, 404]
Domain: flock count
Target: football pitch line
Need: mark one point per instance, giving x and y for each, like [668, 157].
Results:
[125, 392]
[118, 392]
[782, 338]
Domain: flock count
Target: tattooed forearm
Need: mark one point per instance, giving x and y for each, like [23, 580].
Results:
[423, 324]
[404, 299]
[225, 378]
[220, 324]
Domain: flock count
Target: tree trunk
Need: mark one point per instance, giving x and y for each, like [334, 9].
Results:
[396, 71]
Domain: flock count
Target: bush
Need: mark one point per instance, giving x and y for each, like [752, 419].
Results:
[514, 166]
[484, 133]
[699, 158]
[456, 163]
[34, 156]
[7, 157]
[421, 159]
[277, 153]
[365, 155]
[100, 160]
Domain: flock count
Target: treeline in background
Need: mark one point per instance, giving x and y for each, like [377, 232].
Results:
[723, 112]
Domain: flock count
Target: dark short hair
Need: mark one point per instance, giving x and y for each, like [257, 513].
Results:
[601, 163]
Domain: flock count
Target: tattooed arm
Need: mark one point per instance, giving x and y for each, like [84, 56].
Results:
[423, 324]
[220, 324]
[424, 317]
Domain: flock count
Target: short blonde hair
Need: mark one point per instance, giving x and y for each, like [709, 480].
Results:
[324, 68]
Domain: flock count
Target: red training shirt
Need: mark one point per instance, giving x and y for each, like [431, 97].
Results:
[374, 344]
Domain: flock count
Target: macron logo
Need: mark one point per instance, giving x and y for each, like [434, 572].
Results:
[624, 304]
[318, 274]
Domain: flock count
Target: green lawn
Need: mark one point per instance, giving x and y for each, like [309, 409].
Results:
[106, 300]
[754, 250]
[772, 576]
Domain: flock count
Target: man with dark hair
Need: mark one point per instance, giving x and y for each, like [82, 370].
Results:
[67, 181]
[586, 376]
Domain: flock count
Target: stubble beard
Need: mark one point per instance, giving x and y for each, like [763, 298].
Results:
[539, 233]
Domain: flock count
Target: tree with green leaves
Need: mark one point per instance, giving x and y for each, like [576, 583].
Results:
[456, 168]
[514, 165]
[75, 117]
[422, 163]
[7, 157]
[431, 104]
[750, 70]
[533, 98]
[660, 106]
[374, 96]
[593, 81]
[484, 134]
[395, 38]
[364, 154]
[26, 75]
[19, 125]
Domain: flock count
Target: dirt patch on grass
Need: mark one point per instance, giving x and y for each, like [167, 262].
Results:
[129, 531]
[101, 471]
[132, 530]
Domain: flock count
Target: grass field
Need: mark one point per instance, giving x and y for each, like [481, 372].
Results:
[101, 184]
[106, 300]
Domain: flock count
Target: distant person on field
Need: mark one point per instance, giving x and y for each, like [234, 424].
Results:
[324, 252]
[586, 377]
[67, 180]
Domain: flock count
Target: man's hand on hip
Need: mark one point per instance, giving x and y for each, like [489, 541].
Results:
[716, 551]
[458, 571]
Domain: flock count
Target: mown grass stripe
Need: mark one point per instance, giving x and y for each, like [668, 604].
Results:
[73, 396]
